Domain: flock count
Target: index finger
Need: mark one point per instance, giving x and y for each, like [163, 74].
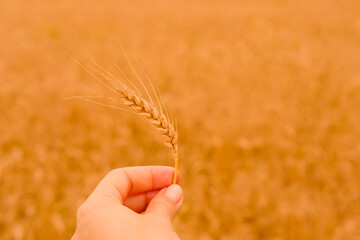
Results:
[122, 182]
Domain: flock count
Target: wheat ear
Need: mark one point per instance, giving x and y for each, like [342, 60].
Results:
[153, 115]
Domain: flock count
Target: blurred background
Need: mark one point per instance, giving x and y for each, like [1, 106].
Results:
[266, 95]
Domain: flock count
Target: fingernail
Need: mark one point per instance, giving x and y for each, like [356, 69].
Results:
[174, 192]
[178, 205]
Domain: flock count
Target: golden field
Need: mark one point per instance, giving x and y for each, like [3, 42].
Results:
[266, 95]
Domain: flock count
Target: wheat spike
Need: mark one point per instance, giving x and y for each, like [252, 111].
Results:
[156, 118]
[151, 113]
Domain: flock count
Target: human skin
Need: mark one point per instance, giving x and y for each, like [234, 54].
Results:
[131, 203]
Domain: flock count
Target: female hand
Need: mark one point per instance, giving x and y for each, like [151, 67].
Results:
[113, 210]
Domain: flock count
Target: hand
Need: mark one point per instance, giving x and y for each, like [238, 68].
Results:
[112, 211]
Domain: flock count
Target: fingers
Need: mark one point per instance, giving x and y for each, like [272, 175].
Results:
[140, 201]
[123, 182]
[166, 203]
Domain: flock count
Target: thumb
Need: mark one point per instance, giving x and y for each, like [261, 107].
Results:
[167, 202]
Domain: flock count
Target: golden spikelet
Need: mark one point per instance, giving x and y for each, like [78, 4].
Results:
[153, 115]
[148, 111]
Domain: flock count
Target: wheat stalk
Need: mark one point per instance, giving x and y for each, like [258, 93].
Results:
[148, 111]
[153, 115]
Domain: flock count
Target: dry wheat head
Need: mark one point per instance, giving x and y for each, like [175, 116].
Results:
[153, 115]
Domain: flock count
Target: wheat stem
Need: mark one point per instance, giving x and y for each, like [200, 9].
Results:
[156, 118]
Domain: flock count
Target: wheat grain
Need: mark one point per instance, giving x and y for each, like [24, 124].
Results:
[155, 116]
[148, 111]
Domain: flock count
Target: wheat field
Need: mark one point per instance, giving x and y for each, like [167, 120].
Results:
[266, 95]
